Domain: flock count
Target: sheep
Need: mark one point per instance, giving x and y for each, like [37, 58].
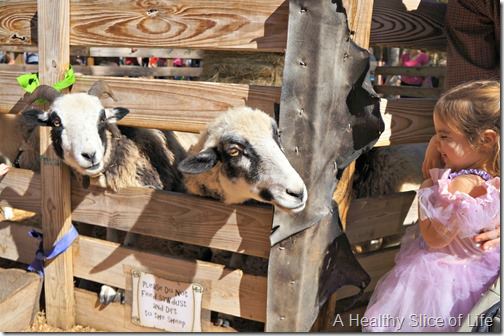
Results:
[86, 138]
[238, 158]
[387, 170]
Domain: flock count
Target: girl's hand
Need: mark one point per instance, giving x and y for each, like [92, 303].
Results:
[3, 169]
[432, 157]
[489, 239]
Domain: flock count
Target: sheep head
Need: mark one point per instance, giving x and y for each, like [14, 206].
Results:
[79, 125]
[239, 158]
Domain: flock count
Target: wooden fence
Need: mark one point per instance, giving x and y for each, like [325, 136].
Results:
[182, 106]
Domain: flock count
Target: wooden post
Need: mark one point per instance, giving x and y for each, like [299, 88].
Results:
[311, 257]
[54, 56]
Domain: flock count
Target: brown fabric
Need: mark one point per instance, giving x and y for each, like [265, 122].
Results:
[473, 31]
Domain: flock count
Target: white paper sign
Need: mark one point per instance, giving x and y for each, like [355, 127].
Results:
[164, 304]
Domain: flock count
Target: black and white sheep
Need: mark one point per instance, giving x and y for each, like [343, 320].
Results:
[237, 158]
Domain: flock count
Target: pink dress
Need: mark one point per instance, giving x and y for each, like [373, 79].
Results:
[434, 289]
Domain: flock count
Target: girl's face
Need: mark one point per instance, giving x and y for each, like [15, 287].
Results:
[456, 151]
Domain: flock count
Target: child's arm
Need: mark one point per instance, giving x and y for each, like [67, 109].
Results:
[436, 234]
[433, 232]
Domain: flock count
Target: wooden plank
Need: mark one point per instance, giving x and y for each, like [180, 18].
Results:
[411, 91]
[19, 299]
[406, 121]
[53, 27]
[205, 24]
[230, 291]
[393, 25]
[11, 92]
[142, 52]
[116, 52]
[185, 218]
[435, 71]
[15, 244]
[371, 218]
[116, 71]
[20, 189]
[137, 71]
[114, 317]
[180, 105]
[166, 104]
[359, 14]
[376, 265]
[19, 48]
[17, 17]
[189, 105]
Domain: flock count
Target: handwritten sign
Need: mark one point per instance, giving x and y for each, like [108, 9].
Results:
[164, 304]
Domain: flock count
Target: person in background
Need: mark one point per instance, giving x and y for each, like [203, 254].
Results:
[473, 33]
[413, 58]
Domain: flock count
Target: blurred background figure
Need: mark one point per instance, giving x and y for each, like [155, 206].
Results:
[413, 58]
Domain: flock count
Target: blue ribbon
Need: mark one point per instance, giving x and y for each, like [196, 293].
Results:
[59, 247]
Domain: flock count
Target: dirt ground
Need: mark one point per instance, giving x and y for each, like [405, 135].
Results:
[40, 325]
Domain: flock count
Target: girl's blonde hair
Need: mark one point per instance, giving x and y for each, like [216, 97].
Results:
[473, 108]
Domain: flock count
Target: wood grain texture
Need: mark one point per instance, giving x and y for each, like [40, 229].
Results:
[20, 189]
[409, 91]
[116, 52]
[359, 14]
[180, 105]
[114, 317]
[185, 218]
[228, 291]
[17, 17]
[10, 91]
[372, 218]
[115, 71]
[406, 121]
[16, 244]
[189, 106]
[137, 52]
[19, 299]
[54, 57]
[207, 24]
[136, 71]
[394, 26]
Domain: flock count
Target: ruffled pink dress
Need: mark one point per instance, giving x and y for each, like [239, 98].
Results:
[434, 289]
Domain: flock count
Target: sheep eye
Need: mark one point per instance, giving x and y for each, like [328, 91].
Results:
[234, 151]
[56, 122]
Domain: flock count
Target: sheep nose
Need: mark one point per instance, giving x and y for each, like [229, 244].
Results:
[89, 156]
[297, 194]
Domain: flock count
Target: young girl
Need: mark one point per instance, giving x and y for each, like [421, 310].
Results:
[440, 273]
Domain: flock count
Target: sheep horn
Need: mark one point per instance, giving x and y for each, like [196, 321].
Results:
[43, 91]
[99, 88]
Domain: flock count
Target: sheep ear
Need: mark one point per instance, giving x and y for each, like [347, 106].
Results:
[115, 114]
[35, 116]
[199, 163]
